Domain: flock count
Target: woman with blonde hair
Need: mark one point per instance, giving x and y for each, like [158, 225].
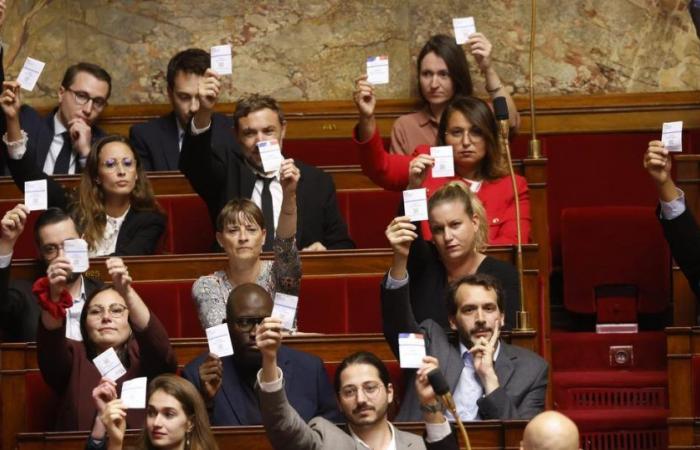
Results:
[459, 231]
[176, 417]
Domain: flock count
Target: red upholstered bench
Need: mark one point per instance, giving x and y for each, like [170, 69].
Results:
[171, 302]
[41, 403]
[25, 246]
[189, 228]
[367, 214]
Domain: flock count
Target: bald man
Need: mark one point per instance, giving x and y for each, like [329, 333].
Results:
[550, 430]
[228, 384]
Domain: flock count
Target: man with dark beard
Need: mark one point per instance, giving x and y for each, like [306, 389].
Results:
[228, 384]
[19, 306]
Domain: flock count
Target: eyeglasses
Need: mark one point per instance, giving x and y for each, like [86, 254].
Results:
[82, 97]
[115, 311]
[248, 323]
[111, 164]
[474, 133]
[51, 250]
[370, 389]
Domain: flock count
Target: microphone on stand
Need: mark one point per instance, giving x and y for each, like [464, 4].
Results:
[500, 108]
[442, 390]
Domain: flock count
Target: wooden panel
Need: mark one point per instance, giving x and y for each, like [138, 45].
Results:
[682, 343]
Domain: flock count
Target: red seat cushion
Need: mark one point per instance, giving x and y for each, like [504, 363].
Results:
[189, 228]
[367, 214]
[41, 403]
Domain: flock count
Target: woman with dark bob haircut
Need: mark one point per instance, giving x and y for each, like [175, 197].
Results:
[114, 317]
[176, 417]
[469, 127]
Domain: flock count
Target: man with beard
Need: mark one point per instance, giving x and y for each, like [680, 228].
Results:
[364, 392]
[489, 379]
[159, 141]
[228, 384]
[19, 307]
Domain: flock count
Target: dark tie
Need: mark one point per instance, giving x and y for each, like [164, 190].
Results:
[63, 159]
[268, 213]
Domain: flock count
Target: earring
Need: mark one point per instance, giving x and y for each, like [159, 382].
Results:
[188, 436]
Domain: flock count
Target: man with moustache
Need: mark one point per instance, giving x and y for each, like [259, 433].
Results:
[60, 142]
[489, 379]
[364, 392]
[19, 308]
[159, 141]
[227, 384]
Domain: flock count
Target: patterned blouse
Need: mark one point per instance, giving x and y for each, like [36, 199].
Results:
[283, 274]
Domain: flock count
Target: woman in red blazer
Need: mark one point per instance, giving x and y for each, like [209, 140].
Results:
[469, 127]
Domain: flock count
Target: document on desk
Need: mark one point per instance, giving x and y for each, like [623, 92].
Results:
[219, 340]
[672, 136]
[30, 73]
[378, 69]
[221, 61]
[464, 27]
[411, 350]
[415, 204]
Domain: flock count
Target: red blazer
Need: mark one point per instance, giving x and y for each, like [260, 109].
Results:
[391, 172]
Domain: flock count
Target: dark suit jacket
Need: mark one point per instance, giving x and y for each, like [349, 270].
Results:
[218, 173]
[19, 308]
[156, 141]
[287, 431]
[522, 374]
[683, 236]
[139, 234]
[306, 380]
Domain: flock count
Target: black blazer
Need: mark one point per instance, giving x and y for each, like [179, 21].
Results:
[139, 234]
[218, 173]
[156, 141]
[19, 308]
[683, 236]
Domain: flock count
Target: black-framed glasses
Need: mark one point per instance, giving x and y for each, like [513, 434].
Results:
[116, 310]
[82, 97]
[248, 323]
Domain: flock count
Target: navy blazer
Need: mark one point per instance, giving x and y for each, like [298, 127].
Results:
[305, 382]
[156, 141]
[218, 173]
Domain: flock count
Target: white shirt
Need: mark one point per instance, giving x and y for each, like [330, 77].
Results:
[108, 244]
[55, 148]
[674, 208]
[72, 314]
[275, 185]
[390, 446]
[180, 134]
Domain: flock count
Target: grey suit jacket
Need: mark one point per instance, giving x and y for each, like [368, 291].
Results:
[522, 374]
[286, 430]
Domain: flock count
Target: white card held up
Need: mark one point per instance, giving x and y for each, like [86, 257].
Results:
[221, 59]
[271, 155]
[134, 393]
[672, 136]
[76, 251]
[411, 350]
[36, 195]
[285, 309]
[464, 27]
[415, 204]
[219, 340]
[30, 73]
[444, 161]
[378, 69]
[109, 365]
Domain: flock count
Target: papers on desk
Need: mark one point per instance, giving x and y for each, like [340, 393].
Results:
[219, 340]
[672, 136]
[221, 61]
[134, 393]
[109, 365]
[36, 195]
[76, 251]
[415, 204]
[464, 27]
[378, 69]
[444, 161]
[30, 73]
[411, 350]
[285, 309]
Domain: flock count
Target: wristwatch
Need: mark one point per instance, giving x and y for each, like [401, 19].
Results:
[433, 408]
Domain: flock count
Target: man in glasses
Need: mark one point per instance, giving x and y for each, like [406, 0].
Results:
[60, 142]
[19, 309]
[228, 384]
[364, 392]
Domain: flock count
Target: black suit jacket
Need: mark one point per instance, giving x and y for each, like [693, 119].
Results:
[140, 232]
[19, 308]
[156, 141]
[683, 236]
[218, 173]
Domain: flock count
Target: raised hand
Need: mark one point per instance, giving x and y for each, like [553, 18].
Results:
[211, 373]
[58, 272]
[104, 393]
[11, 99]
[120, 275]
[289, 177]
[400, 233]
[80, 135]
[11, 227]
[268, 337]
[418, 170]
[426, 394]
[209, 89]
[480, 48]
[364, 97]
[657, 162]
[114, 419]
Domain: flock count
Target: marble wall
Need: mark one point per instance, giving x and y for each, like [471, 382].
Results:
[313, 49]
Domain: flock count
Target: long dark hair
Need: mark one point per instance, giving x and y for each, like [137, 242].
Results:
[446, 48]
[90, 349]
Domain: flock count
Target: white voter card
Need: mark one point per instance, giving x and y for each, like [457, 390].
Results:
[109, 365]
[35, 195]
[134, 393]
[221, 59]
[219, 340]
[672, 136]
[286, 309]
[30, 73]
[76, 251]
[444, 161]
[411, 350]
[378, 69]
[415, 204]
[271, 155]
[464, 27]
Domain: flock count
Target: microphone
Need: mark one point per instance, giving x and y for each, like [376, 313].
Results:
[500, 109]
[442, 390]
